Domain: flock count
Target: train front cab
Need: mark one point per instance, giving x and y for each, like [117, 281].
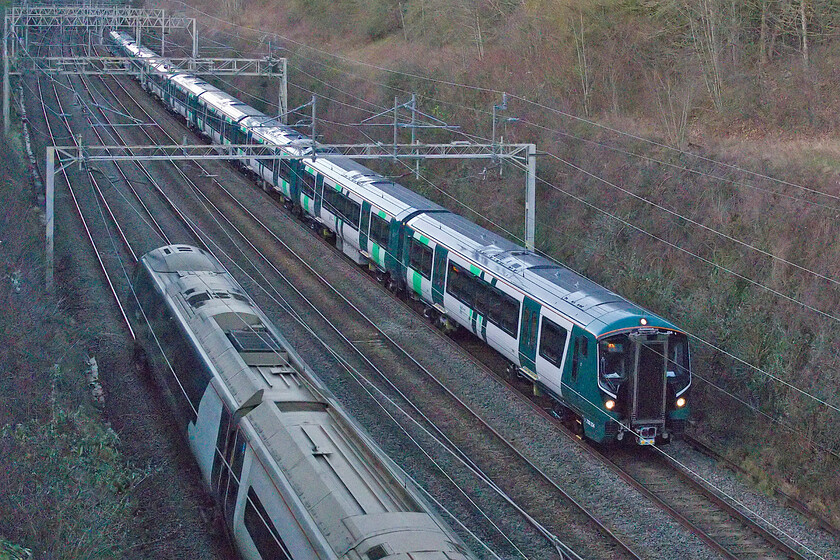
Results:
[643, 378]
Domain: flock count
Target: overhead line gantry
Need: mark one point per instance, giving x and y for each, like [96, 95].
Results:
[96, 18]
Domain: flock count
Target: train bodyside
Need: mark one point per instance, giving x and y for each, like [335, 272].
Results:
[551, 328]
[621, 370]
[294, 475]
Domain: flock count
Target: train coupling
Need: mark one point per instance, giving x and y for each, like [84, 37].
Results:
[647, 435]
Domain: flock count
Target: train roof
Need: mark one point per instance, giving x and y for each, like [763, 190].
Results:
[194, 84]
[391, 197]
[353, 493]
[595, 308]
[276, 133]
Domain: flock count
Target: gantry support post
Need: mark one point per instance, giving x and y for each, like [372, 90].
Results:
[50, 196]
[6, 109]
[195, 40]
[283, 102]
[530, 196]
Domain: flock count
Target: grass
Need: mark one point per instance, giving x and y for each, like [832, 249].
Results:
[65, 487]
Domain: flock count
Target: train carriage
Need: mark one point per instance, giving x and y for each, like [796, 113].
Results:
[295, 477]
[620, 371]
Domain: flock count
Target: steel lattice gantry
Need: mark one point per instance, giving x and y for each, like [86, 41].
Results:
[20, 19]
[61, 157]
[97, 18]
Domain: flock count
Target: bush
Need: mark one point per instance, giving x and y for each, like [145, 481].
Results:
[67, 489]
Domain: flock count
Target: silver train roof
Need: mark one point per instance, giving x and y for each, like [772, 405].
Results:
[587, 303]
[355, 495]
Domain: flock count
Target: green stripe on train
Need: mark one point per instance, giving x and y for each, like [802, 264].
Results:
[417, 282]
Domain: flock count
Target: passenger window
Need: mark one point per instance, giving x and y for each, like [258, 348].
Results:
[498, 307]
[420, 258]
[379, 230]
[552, 341]
[262, 530]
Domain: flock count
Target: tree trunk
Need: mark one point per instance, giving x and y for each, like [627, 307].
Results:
[763, 36]
[583, 67]
[804, 19]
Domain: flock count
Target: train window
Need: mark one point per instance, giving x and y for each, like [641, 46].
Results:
[526, 336]
[262, 530]
[379, 229]
[498, 307]
[238, 454]
[219, 466]
[533, 338]
[307, 184]
[616, 355]
[341, 206]
[420, 258]
[552, 341]
[678, 364]
[502, 310]
[352, 212]
[285, 170]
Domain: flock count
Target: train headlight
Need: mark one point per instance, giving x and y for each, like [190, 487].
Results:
[680, 402]
[610, 404]
[643, 322]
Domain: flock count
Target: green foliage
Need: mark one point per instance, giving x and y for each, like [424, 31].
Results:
[10, 551]
[66, 487]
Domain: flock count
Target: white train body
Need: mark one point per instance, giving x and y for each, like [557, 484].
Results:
[541, 316]
[294, 475]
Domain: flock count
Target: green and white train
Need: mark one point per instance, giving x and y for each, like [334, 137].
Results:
[621, 372]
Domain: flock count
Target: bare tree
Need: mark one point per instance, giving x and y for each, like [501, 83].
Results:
[703, 18]
[673, 102]
[803, 18]
[583, 66]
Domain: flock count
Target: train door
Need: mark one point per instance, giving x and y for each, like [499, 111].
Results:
[648, 381]
[364, 224]
[276, 164]
[578, 378]
[319, 195]
[439, 274]
[393, 255]
[417, 258]
[528, 330]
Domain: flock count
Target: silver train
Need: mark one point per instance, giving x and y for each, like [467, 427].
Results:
[617, 370]
[295, 477]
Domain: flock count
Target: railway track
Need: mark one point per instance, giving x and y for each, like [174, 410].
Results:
[374, 347]
[375, 351]
[378, 355]
[712, 517]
